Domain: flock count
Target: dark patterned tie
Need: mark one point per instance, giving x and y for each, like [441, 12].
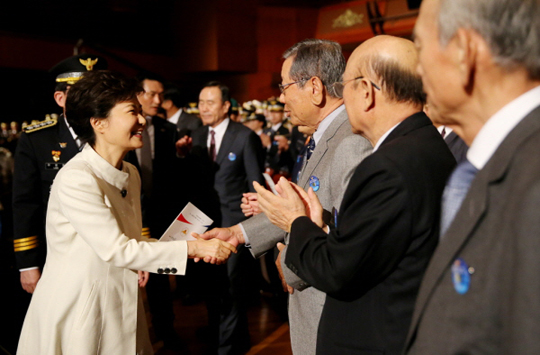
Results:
[305, 154]
[310, 148]
[212, 150]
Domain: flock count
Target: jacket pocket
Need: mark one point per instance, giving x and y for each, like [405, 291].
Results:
[89, 304]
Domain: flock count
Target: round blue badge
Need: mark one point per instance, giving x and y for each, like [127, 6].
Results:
[314, 183]
[460, 276]
[232, 156]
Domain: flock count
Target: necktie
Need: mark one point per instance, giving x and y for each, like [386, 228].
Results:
[146, 163]
[305, 154]
[212, 150]
[443, 132]
[310, 148]
[455, 191]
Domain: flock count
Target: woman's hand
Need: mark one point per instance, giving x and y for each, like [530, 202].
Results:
[213, 251]
[143, 278]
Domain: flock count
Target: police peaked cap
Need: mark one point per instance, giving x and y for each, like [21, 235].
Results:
[71, 69]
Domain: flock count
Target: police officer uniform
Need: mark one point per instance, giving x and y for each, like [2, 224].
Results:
[277, 162]
[42, 150]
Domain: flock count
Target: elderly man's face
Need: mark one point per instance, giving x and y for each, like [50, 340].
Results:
[352, 97]
[437, 64]
[297, 101]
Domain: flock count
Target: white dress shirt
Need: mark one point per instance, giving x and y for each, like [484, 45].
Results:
[174, 118]
[500, 125]
[220, 132]
[381, 140]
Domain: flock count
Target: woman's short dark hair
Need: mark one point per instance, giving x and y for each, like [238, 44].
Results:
[94, 96]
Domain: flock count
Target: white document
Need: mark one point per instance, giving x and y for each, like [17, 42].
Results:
[191, 219]
[270, 183]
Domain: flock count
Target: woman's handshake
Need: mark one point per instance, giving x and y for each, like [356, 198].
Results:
[213, 251]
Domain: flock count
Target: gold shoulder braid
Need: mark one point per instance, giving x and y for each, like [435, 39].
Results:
[47, 122]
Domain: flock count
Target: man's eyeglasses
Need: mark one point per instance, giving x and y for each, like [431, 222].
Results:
[284, 87]
[340, 85]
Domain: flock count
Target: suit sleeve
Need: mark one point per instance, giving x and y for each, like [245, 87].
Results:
[349, 153]
[80, 196]
[262, 234]
[28, 209]
[254, 156]
[521, 318]
[373, 234]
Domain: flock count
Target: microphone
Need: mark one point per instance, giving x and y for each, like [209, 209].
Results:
[124, 193]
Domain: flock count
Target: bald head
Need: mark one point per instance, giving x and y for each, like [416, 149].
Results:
[391, 62]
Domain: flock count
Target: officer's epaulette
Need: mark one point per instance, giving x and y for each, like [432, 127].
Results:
[47, 122]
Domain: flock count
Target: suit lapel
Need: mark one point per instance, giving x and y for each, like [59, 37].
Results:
[226, 142]
[320, 149]
[472, 210]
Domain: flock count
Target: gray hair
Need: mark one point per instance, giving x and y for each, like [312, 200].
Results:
[510, 27]
[320, 58]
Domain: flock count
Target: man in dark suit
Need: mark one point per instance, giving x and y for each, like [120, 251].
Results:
[42, 150]
[482, 74]
[172, 104]
[225, 157]
[161, 198]
[371, 264]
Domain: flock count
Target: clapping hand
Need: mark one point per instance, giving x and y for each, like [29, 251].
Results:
[292, 202]
[250, 205]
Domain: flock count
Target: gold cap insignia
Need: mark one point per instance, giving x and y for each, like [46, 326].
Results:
[184, 231]
[88, 63]
[56, 155]
[63, 145]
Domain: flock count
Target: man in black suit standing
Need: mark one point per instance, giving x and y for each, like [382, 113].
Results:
[160, 195]
[371, 264]
[172, 104]
[480, 68]
[225, 158]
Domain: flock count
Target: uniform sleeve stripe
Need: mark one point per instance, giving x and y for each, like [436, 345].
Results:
[27, 247]
[16, 245]
[22, 240]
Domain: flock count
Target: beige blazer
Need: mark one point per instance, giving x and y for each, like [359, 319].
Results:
[87, 300]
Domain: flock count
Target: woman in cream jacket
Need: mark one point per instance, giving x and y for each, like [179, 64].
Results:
[87, 300]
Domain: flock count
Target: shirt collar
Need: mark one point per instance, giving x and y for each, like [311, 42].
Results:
[276, 126]
[73, 134]
[175, 117]
[221, 128]
[384, 136]
[499, 126]
[326, 122]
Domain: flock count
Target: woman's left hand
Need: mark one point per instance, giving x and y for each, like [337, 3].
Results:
[143, 278]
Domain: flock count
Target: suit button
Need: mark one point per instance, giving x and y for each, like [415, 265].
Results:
[160, 271]
[173, 270]
[167, 270]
